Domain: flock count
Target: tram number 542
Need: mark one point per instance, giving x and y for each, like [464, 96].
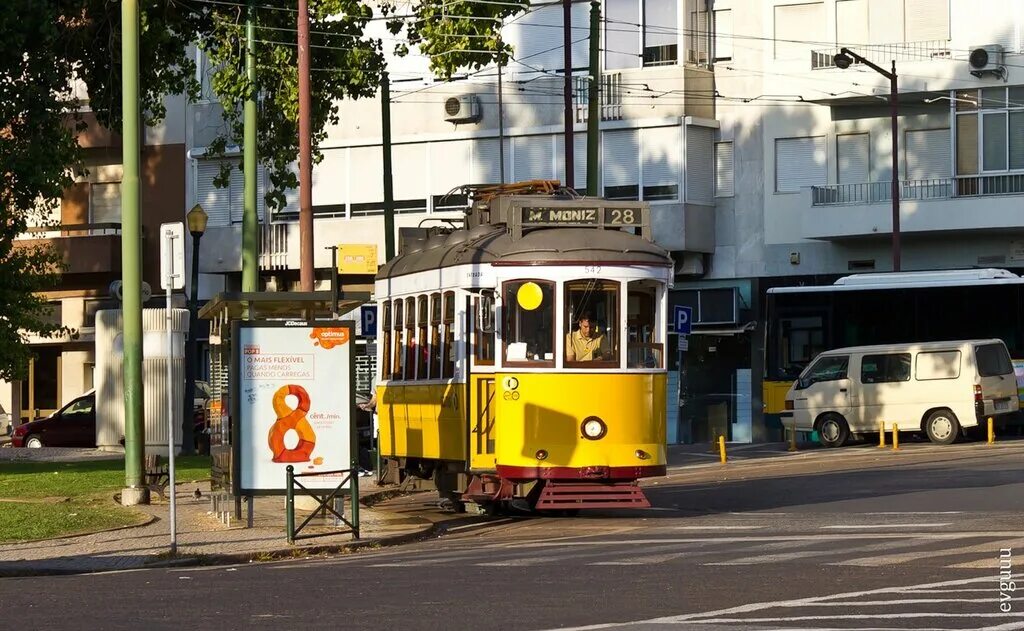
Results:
[622, 216]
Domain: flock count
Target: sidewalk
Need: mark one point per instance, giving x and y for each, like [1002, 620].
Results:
[203, 539]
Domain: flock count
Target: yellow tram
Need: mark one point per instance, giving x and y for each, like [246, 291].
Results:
[521, 359]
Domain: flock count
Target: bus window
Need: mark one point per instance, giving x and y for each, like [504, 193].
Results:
[529, 333]
[385, 331]
[410, 339]
[448, 323]
[422, 349]
[801, 339]
[644, 348]
[399, 342]
[435, 336]
[483, 329]
[592, 324]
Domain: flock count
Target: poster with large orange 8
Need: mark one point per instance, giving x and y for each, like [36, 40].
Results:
[293, 400]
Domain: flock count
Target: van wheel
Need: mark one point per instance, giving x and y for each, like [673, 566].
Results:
[942, 427]
[833, 430]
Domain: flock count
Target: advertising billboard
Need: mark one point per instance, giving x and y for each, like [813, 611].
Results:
[293, 383]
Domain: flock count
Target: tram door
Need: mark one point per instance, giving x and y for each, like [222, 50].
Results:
[483, 406]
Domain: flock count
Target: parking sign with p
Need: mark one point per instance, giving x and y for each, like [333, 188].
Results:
[682, 319]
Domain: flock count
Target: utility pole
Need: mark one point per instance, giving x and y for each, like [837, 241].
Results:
[389, 194]
[305, 156]
[843, 60]
[135, 491]
[567, 91]
[594, 102]
[501, 120]
[250, 218]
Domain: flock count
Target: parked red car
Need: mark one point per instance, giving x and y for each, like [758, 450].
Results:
[74, 425]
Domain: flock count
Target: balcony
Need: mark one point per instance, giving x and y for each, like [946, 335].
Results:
[842, 211]
[85, 248]
[884, 54]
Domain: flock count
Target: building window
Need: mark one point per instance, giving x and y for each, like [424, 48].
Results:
[724, 169]
[105, 202]
[224, 205]
[989, 130]
[621, 164]
[723, 35]
[661, 42]
[622, 34]
[853, 158]
[661, 163]
[799, 162]
[797, 26]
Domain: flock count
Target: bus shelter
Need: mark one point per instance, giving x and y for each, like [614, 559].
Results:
[222, 311]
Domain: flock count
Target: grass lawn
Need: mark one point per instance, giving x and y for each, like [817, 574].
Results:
[48, 499]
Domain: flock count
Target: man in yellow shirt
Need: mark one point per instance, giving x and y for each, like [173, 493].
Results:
[583, 344]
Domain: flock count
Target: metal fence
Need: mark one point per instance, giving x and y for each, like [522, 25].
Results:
[885, 53]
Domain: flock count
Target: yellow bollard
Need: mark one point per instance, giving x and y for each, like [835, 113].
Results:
[895, 437]
[881, 434]
[991, 431]
[721, 448]
[792, 436]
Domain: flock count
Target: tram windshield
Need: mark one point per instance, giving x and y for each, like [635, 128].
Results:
[591, 323]
[644, 348]
[529, 314]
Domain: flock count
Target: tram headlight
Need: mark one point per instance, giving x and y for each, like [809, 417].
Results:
[641, 454]
[593, 428]
[511, 383]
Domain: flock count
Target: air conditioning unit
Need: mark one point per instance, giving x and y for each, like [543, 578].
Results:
[987, 59]
[462, 109]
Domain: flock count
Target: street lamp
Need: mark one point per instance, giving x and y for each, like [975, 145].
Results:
[196, 220]
[843, 60]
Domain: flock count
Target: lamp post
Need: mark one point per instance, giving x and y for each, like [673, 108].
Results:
[844, 60]
[196, 220]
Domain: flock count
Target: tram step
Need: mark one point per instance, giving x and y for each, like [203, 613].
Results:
[563, 495]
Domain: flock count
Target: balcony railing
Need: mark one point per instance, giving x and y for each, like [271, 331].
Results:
[885, 53]
[70, 230]
[942, 188]
[611, 97]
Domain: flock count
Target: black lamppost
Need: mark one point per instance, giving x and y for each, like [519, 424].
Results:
[844, 60]
[196, 220]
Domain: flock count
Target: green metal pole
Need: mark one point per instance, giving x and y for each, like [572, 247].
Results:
[389, 195]
[250, 218]
[289, 509]
[131, 248]
[594, 103]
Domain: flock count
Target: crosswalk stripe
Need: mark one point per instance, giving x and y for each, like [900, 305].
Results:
[803, 554]
[991, 547]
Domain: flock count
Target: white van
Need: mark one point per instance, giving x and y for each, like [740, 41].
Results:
[937, 387]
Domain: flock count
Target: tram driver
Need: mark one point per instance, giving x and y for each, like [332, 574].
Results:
[584, 343]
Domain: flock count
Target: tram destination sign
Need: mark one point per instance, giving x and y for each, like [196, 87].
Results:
[582, 216]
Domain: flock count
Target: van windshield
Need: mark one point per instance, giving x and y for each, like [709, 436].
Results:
[993, 360]
[828, 368]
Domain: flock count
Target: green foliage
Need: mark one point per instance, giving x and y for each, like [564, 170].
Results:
[457, 34]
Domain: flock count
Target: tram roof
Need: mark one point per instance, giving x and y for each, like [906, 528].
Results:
[910, 280]
[492, 244]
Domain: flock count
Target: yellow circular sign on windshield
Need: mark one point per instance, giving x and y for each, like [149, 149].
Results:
[529, 296]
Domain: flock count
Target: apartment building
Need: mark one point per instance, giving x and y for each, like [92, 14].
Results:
[764, 163]
[85, 227]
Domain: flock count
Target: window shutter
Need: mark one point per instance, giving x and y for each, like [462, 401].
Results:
[533, 32]
[215, 201]
[533, 158]
[621, 151]
[237, 198]
[966, 144]
[105, 202]
[662, 162]
[1016, 136]
[579, 160]
[799, 162]
[851, 22]
[410, 178]
[486, 164]
[926, 20]
[885, 26]
[797, 29]
[700, 166]
[621, 39]
[927, 154]
[723, 169]
[449, 165]
[853, 155]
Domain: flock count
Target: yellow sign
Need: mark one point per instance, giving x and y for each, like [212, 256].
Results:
[357, 258]
[530, 296]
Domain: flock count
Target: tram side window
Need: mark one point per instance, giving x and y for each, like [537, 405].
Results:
[448, 323]
[644, 348]
[529, 312]
[422, 349]
[592, 323]
[483, 329]
[435, 336]
[385, 370]
[399, 342]
[410, 338]
[801, 339]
